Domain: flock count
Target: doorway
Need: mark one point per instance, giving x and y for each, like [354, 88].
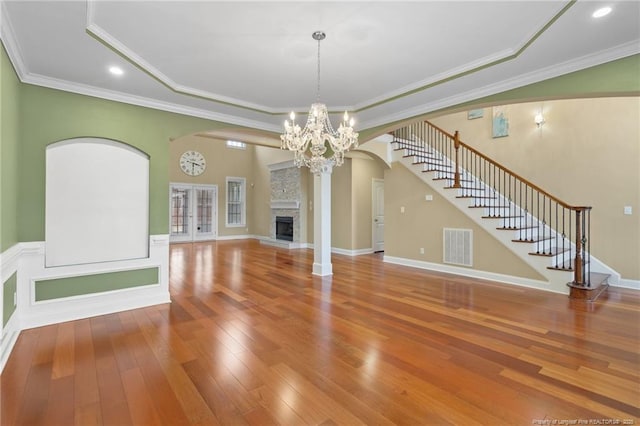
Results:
[377, 203]
[194, 212]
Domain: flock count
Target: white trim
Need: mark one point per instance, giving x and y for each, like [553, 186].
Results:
[356, 252]
[9, 262]
[626, 283]
[101, 304]
[234, 237]
[10, 43]
[472, 273]
[281, 166]
[10, 334]
[126, 98]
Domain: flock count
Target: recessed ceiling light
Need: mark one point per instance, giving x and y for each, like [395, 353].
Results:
[603, 11]
[116, 70]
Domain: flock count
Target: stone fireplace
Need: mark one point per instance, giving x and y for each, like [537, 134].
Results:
[286, 202]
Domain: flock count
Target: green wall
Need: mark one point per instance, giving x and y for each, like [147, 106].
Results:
[8, 289]
[51, 115]
[9, 137]
[89, 284]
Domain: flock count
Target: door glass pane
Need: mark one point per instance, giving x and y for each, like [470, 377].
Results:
[204, 220]
[179, 211]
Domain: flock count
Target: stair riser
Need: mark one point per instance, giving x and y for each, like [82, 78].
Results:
[526, 234]
[498, 211]
[474, 192]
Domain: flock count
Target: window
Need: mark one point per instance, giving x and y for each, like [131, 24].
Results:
[236, 201]
[236, 145]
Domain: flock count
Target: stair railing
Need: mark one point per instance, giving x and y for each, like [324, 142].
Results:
[559, 230]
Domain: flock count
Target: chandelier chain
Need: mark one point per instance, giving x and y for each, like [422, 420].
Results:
[318, 88]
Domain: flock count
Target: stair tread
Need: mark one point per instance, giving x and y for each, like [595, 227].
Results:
[465, 187]
[537, 240]
[451, 178]
[432, 170]
[434, 162]
[516, 228]
[501, 217]
[567, 265]
[488, 207]
[484, 197]
[553, 251]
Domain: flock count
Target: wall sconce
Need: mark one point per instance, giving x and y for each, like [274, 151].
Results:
[539, 119]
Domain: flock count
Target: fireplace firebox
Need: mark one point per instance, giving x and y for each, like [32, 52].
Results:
[284, 228]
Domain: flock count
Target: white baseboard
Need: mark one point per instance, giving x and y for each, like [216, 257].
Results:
[357, 252]
[75, 308]
[233, 237]
[473, 273]
[625, 283]
[10, 335]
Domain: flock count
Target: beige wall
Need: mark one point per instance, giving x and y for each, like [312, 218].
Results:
[421, 226]
[341, 206]
[364, 170]
[587, 153]
[351, 211]
[221, 162]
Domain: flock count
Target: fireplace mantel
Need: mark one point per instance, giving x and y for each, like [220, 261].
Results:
[285, 204]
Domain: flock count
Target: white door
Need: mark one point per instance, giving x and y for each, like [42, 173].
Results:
[194, 212]
[378, 215]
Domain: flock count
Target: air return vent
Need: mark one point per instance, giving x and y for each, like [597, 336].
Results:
[457, 245]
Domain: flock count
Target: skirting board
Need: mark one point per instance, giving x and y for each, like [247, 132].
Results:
[472, 273]
[71, 309]
[632, 284]
[10, 334]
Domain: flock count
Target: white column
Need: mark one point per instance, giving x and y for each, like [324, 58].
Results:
[322, 223]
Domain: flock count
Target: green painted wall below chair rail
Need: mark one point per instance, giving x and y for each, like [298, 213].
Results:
[8, 290]
[98, 283]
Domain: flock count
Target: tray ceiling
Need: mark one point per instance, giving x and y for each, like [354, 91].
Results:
[250, 63]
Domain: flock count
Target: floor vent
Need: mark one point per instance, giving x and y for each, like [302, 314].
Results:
[457, 245]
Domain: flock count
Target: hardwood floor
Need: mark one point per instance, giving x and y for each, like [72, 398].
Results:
[253, 338]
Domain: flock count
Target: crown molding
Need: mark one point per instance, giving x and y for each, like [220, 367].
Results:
[7, 34]
[111, 95]
[497, 58]
[577, 64]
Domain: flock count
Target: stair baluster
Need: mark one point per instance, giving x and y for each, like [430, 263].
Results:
[519, 204]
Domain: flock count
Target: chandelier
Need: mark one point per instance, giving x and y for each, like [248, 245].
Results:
[318, 146]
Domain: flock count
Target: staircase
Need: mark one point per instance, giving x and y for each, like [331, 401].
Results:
[548, 234]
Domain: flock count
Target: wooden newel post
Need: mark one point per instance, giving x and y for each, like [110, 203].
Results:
[577, 266]
[456, 145]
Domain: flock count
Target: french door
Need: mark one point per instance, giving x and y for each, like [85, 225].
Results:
[194, 212]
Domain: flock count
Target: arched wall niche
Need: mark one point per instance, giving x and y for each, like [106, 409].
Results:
[97, 202]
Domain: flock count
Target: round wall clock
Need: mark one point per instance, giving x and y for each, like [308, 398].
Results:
[192, 163]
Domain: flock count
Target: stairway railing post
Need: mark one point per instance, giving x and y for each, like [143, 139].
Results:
[456, 145]
[578, 277]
